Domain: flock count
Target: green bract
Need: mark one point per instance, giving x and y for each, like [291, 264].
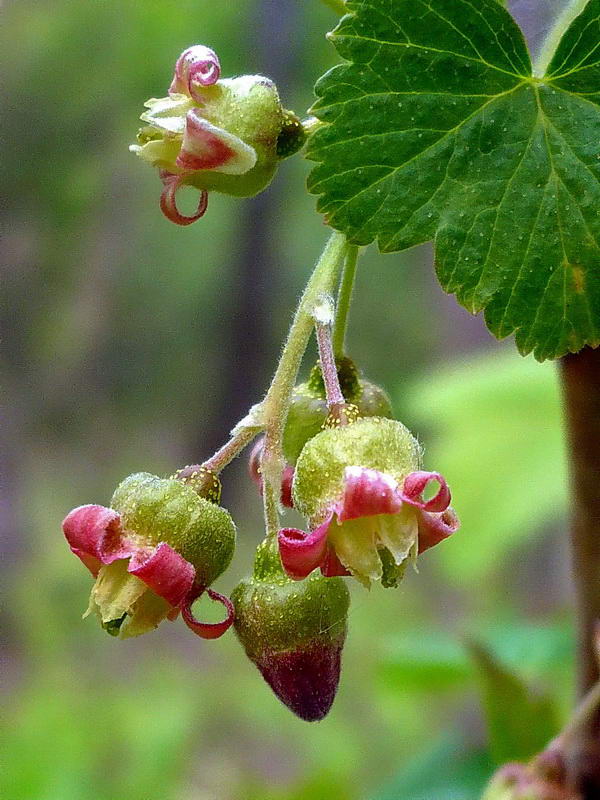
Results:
[166, 510]
[437, 129]
[375, 443]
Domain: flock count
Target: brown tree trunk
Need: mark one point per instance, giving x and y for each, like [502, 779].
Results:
[581, 387]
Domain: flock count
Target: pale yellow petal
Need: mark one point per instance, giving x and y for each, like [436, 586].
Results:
[398, 532]
[354, 543]
[115, 592]
[148, 613]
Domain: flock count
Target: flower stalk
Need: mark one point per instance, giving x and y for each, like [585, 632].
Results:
[323, 319]
[276, 404]
[241, 438]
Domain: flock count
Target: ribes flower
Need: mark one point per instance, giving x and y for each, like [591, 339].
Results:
[225, 135]
[361, 487]
[153, 553]
[293, 632]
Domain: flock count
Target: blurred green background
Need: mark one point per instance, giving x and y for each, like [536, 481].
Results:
[129, 343]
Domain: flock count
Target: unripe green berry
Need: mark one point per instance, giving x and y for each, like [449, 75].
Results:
[293, 631]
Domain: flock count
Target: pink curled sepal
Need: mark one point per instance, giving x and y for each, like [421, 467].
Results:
[207, 630]
[168, 203]
[196, 67]
[375, 518]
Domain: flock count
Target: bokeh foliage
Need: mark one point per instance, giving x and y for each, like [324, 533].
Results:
[122, 351]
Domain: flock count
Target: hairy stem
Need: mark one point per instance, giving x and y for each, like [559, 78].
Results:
[581, 387]
[333, 390]
[344, 299]
[224, 455]
[564, 19]
[276, 404]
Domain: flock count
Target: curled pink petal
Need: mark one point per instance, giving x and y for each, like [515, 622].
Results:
[435, 527]
[368, 492]
[168, 204]
[207, 630]
[416, 483]
[196, 66]
[165, 571]
[94, 534]
[303, 552]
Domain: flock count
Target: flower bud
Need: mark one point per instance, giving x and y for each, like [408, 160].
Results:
[361, 488]
[225, 135]
[308, 410]
[153, 553]
[293, 632]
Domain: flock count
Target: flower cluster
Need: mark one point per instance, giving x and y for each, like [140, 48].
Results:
[351, 470]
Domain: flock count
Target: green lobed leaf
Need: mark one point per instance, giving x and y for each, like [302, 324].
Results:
[437, 129]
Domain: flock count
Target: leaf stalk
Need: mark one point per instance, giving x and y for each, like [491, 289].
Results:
[344, 299]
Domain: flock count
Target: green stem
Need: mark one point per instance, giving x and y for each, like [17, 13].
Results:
[231, 449]
[344, 299]
[573, 9]
[276, 404]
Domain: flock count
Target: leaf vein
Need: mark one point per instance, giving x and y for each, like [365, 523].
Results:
[429, 50]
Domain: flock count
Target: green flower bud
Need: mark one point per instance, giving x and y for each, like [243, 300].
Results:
[308, 409]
